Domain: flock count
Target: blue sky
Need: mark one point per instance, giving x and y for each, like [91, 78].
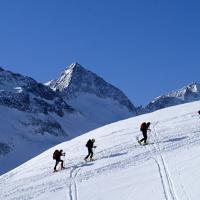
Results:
[144, 47]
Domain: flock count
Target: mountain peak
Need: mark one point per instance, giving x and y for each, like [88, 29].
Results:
[67, 76]
[76, 80]
[74, 65]
[194, 87]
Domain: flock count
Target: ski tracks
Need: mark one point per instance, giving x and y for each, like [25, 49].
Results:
[165, 176]
[167, 183]
[73, 188]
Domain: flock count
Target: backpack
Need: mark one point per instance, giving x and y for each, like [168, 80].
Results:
[88, 144]
[56, 154]
[143, 126]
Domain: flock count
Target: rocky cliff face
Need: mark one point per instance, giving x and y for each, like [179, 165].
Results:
[25, 94]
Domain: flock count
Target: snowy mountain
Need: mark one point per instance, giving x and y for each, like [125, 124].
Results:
[186, 94]
[30, 116]
[167, 168]
[98, 100]
[34, 117]
[25, 94]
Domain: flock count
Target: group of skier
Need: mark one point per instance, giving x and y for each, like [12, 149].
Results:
[58, 153]
[144, 128]
[90, 146]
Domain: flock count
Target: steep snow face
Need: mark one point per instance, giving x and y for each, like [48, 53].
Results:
[99, 110]
[186, 94]
[167, 168]
[76, 80]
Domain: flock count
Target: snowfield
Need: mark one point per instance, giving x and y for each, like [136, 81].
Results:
[166, 169]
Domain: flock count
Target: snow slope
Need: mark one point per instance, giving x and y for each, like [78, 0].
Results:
[24, 135]
[166, 169]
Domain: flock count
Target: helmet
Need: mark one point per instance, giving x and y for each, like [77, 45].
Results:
[93, 140]
[61, 150]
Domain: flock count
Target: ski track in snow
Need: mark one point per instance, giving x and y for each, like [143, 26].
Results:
[73, 188]
[167, 182]
[165, 176]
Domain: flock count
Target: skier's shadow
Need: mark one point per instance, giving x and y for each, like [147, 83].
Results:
[79, 165]
[176, 139]
[83, 165]
[86, 164]
[113, 155]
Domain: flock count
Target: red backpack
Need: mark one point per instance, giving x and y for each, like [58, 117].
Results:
[143, 126]
[56, 154]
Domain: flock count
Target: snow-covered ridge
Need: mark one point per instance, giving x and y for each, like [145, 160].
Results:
[186, 94]
[167, 168]
[26, 94]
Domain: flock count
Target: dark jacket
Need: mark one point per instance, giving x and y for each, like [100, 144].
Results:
[90, 144]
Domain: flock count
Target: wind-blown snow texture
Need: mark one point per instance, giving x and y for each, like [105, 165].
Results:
[166, 169]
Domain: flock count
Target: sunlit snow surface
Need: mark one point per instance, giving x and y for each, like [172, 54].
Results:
[166, 169]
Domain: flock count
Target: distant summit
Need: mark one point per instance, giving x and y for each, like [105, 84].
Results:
[186, 94]
[66, 77]
[76, 81]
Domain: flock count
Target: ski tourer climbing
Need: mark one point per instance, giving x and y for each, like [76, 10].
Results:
[57, 156]
[90, 146]
[144, 128]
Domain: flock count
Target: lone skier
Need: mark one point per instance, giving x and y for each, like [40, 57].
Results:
[144, 128]
[90, 146]
[57, 156]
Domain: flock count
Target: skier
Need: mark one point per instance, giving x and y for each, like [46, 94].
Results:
[57, 156]
[144, 128]
[90, 146]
